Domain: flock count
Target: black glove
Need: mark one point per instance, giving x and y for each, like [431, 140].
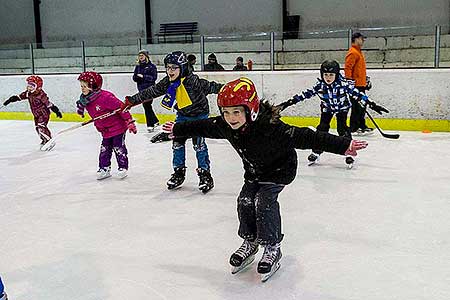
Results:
[368, 83]
[55, 109]
[11, 99]
[282, 106]
[377, 108]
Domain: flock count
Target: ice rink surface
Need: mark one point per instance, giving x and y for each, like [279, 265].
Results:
[378, 231]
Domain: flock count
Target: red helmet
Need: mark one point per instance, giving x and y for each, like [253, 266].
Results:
[240, 92]
[93, 79]
[35, 81]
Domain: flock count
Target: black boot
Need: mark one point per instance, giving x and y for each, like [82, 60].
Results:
[206, 182]
[177, 178]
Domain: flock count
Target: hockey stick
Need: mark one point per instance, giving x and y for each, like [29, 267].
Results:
[386, 135]
[50, 143]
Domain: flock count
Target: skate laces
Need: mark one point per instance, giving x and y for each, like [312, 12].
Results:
[247, 248]
[270, 253]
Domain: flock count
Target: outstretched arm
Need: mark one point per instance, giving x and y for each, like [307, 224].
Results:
[306, 138]
[306, 94]
[208, 128]
[207, 87]
[151, 92]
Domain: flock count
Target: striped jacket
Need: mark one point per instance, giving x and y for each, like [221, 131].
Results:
[335, 97]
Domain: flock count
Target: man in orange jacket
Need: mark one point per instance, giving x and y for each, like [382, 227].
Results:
[355, 70]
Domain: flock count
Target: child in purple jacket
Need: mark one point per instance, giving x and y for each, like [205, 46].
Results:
[98, 102]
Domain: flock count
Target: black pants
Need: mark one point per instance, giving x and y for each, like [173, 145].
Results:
[259, 212]
[150, 116]
[342, 128]
[357, 117]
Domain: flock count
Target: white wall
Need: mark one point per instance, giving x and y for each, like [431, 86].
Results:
[219, 17]
[408, 94]
[84, 19]
[63, 20]
[328, 14]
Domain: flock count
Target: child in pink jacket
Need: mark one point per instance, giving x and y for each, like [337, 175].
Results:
[98, 102]
[40, 106]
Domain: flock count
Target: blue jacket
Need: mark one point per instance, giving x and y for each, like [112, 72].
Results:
[150, 75]
[335, 97]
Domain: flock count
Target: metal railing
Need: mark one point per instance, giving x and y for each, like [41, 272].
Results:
[270, 49]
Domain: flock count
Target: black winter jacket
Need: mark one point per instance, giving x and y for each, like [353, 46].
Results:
[197, 89]
[267, 147]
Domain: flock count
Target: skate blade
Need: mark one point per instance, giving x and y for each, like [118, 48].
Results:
[312, 163]
[205, 189]
[173, 187]
[349, 166]
[245, 263]
[48, 146]
[265, 277]
[101, 178]
[122, 176]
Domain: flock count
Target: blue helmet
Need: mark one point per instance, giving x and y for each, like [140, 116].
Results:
[177, 58]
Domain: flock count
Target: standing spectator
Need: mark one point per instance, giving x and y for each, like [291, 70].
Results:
[355, 70]
[145, 75]
[191, 60]
[239, 64]
[212, 64]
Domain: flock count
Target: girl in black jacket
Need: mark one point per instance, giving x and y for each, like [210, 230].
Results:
[267, 148]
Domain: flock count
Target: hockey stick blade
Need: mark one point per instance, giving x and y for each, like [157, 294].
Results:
[386, 135]
[50, 144]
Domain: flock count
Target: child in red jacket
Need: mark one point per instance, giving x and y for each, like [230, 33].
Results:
[40, 106]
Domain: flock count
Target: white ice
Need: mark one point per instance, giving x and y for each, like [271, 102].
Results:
[378, 231]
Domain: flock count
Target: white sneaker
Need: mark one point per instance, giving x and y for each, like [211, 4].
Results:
[103, 173]
[122, 173]
[151, 129]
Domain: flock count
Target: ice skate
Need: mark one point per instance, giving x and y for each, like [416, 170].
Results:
[243, 256]
[270, 261]
[313, 158]
[177, 178]
[122, 173]
[47, 146]
[364, 131]
[103, 173]
[349, 161]
[206, 182]
[4, 297]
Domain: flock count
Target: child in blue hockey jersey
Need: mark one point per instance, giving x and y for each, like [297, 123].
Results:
[334, 92]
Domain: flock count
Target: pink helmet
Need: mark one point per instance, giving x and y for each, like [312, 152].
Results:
[93, 79]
